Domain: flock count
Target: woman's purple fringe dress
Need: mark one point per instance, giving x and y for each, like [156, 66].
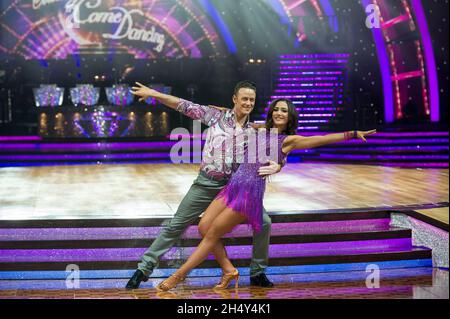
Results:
[245, 191]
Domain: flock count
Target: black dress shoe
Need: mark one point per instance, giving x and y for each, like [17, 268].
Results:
[261, 280]
[135, 281]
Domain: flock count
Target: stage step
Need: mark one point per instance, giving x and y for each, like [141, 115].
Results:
[408, 149]
[401, 149]
[133, 242]
[297, 239]
[364, 219]
[420, 255]
[391, 280]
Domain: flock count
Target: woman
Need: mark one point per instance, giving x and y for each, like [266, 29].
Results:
[241, 199]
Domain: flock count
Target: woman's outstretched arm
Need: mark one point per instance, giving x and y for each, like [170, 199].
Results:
[297, 142]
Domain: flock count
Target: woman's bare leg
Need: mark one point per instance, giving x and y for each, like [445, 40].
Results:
[214, 209]
[223, 224]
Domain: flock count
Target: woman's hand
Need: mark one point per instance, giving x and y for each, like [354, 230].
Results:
[143, 92]
[270, 169]
[362, 134]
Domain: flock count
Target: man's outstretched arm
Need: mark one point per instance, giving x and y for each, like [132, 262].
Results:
[208, 115]
[144, 92]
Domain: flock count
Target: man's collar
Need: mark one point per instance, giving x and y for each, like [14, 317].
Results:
[247, 121]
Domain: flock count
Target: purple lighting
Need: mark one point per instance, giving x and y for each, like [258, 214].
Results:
[311, 73]
[311, 56]
[300, 109]
[225, 32]
[20, 138]
[328, 9]
[97, 157]
[234, 252]
[385, 157]
[318, 115]
[302, 96]
[416, 165]
[89, 146]
[308, 127]
[429, 58]
[303, 67]
[319, 78]
[413, 134]
[312, 61]
[314, 121]
[386, 75]
[291, 84]
[302, 91]
[277, 229]
[313, 102]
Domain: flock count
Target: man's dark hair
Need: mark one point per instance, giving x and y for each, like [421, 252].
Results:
[244, 85]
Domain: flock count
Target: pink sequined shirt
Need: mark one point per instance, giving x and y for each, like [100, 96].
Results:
[224, 145]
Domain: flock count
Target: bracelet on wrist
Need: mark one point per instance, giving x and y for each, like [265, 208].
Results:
[350, 135]
[347, 136]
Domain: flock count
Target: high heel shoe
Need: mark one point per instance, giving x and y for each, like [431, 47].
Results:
[227, 278]
[165, 286]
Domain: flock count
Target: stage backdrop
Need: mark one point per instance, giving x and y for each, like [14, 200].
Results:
[54, 29]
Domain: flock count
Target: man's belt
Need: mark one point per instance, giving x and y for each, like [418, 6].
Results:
[214, 178]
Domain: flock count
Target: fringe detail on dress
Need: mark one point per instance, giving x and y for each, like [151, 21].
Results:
[237, 197]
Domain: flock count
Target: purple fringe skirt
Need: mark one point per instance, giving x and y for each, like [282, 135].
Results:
[244, 194]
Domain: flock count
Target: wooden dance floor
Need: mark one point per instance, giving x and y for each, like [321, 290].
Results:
[56, 215]
[431, 286]
[155, 190]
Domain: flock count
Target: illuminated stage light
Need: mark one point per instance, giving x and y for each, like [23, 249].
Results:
[48, 95]
[119, 94]
[85, 94]
[301, 81]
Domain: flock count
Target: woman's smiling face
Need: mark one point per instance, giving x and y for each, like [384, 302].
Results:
[280, 115]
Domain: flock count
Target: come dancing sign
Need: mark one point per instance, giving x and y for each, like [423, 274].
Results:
[145, 29]
[84, 17]
[119, 16]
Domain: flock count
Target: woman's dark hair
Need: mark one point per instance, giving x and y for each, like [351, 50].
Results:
[292, 125]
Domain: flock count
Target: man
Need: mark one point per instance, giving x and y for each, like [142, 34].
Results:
[214, 173]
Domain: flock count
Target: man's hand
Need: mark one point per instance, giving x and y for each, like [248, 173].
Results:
[143, 92]
[270, 169]
[362, 134]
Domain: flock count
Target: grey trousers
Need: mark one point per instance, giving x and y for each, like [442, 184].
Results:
[200, 195]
